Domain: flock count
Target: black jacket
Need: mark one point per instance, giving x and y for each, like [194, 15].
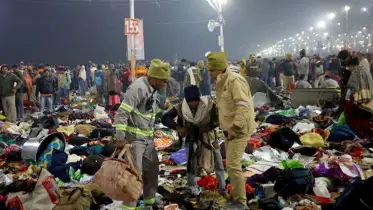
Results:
[46, 85]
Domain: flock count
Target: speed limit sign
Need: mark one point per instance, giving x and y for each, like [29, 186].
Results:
[131, 26]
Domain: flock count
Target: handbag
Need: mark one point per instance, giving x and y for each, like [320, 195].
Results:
[119, 178]
[44, 196]
[294, 181]
[74, 199]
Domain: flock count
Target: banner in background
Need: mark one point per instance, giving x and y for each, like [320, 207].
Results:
[139, 43]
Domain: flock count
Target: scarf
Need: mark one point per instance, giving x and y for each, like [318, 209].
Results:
[202, 116]
[361, 85]
[191, 75]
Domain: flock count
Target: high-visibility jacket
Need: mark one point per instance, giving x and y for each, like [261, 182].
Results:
[136, 116]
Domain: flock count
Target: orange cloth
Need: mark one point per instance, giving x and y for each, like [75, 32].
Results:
[28, 81]
[141, 70]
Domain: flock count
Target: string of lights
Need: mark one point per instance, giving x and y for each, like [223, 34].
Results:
[317, 40]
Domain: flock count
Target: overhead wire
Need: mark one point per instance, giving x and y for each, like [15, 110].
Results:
[97, 2]
[182, 22]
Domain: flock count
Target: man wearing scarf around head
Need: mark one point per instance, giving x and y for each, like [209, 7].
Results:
[237, 120]
[198, 116]
[135, 122]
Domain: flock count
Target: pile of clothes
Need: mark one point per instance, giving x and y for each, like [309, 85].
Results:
[296, 159]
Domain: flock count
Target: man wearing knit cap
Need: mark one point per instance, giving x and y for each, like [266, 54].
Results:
[197, 119]
[135, 121]
[236, 117]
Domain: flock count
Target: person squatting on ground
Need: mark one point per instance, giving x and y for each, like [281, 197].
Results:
[197, 119]
[135, 121]
[237, 120]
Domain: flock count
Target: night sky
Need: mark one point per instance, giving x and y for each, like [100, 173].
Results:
[76, 31]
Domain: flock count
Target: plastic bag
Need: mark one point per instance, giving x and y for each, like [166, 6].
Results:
[321, 188]
[286, 164]
[93, 90]
[260, 99]
[179, 157]
[100, 113]
[342, 119]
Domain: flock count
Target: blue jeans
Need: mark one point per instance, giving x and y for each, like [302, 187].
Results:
[82, 86]
[46, 103]
[19, 105]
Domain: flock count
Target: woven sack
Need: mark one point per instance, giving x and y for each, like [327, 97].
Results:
[119, 178]
[74, 199]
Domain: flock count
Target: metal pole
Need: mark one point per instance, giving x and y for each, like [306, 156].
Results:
[222, 37]
[133, 53]
[347, 37]
[371, 38]
[220, 11]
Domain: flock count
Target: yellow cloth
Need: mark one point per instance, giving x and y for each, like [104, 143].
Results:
[2, 117]
[243, 67]
[312, 140]
[67, 130]
[85, 130]
[140, 70]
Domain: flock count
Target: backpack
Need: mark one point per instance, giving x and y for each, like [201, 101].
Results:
[294, 181]
[356, 196]
[98, 79]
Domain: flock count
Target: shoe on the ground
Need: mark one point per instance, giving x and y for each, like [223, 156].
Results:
[236, 205]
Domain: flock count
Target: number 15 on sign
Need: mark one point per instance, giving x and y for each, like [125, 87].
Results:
[131, 26]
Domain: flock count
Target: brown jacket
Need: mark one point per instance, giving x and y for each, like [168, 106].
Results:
[235, 104]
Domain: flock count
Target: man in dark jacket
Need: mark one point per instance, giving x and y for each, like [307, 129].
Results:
[46, 86]
[7, 92]
[334, 66]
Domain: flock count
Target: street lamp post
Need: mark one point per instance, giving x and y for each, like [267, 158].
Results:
[217, 5]
[133, 53]
[364, 9]
[347, 8]
[221, 31]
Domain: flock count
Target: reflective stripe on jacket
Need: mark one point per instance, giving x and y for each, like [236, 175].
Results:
[135, 119]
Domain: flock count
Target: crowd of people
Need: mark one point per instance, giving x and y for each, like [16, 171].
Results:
[300, 71]
[143, 102]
